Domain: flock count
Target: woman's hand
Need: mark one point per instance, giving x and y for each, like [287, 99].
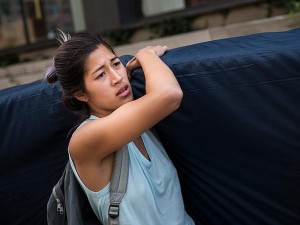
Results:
[134, 62]
[157, 50]
[131, 65]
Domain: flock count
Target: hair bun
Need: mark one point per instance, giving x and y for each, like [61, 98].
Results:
[51, 76]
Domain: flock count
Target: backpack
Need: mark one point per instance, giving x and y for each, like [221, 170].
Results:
[69, 205]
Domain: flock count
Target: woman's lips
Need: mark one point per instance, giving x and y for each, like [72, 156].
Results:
[124, 91]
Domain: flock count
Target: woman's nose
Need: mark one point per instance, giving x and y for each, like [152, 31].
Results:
[116, 77]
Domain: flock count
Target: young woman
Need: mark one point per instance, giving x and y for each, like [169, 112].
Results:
[95, 82]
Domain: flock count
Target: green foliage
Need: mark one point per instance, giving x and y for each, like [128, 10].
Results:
[295, 7]
[292, 6]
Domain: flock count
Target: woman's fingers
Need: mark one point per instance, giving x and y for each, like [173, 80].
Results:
[134, 63]
[158, 49]
[131, 65]
[161, 50]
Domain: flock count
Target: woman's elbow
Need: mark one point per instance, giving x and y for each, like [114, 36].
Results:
[175, 98]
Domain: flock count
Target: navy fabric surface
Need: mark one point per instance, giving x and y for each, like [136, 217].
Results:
[33, 150]
[236, 137]
[235, 140]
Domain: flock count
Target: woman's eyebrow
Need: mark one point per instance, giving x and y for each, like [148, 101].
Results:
[114, 58]
[100, 67]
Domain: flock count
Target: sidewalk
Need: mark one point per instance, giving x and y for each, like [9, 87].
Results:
[28, 72]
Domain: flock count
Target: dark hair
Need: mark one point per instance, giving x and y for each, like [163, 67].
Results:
[69, 65]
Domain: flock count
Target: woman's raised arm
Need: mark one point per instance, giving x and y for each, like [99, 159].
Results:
[103, 136]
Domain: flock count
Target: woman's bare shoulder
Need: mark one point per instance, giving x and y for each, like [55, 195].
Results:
[82, 141]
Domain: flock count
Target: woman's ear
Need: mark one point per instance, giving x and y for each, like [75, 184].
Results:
[81, 96]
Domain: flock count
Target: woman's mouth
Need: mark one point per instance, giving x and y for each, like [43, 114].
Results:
[124, 91]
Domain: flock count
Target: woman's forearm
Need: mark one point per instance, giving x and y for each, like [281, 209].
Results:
[160, 80]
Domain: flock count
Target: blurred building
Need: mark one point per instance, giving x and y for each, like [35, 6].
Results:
[31, 24]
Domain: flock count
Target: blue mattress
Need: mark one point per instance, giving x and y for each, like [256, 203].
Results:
[235, 140]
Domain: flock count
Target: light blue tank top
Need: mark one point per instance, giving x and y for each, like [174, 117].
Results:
[153, 193]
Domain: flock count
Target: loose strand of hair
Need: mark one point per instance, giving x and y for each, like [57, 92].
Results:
[62, 37]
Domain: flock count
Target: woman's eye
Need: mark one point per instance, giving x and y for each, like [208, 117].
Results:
[100, 75]
[116, 64]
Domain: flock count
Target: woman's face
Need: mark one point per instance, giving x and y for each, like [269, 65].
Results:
[106, 83]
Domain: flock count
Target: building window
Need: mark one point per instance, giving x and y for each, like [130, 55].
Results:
[156, 7]
[11, 24]
[26, 22]
[43, 17]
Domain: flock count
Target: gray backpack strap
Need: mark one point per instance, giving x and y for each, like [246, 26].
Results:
[118, 184]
